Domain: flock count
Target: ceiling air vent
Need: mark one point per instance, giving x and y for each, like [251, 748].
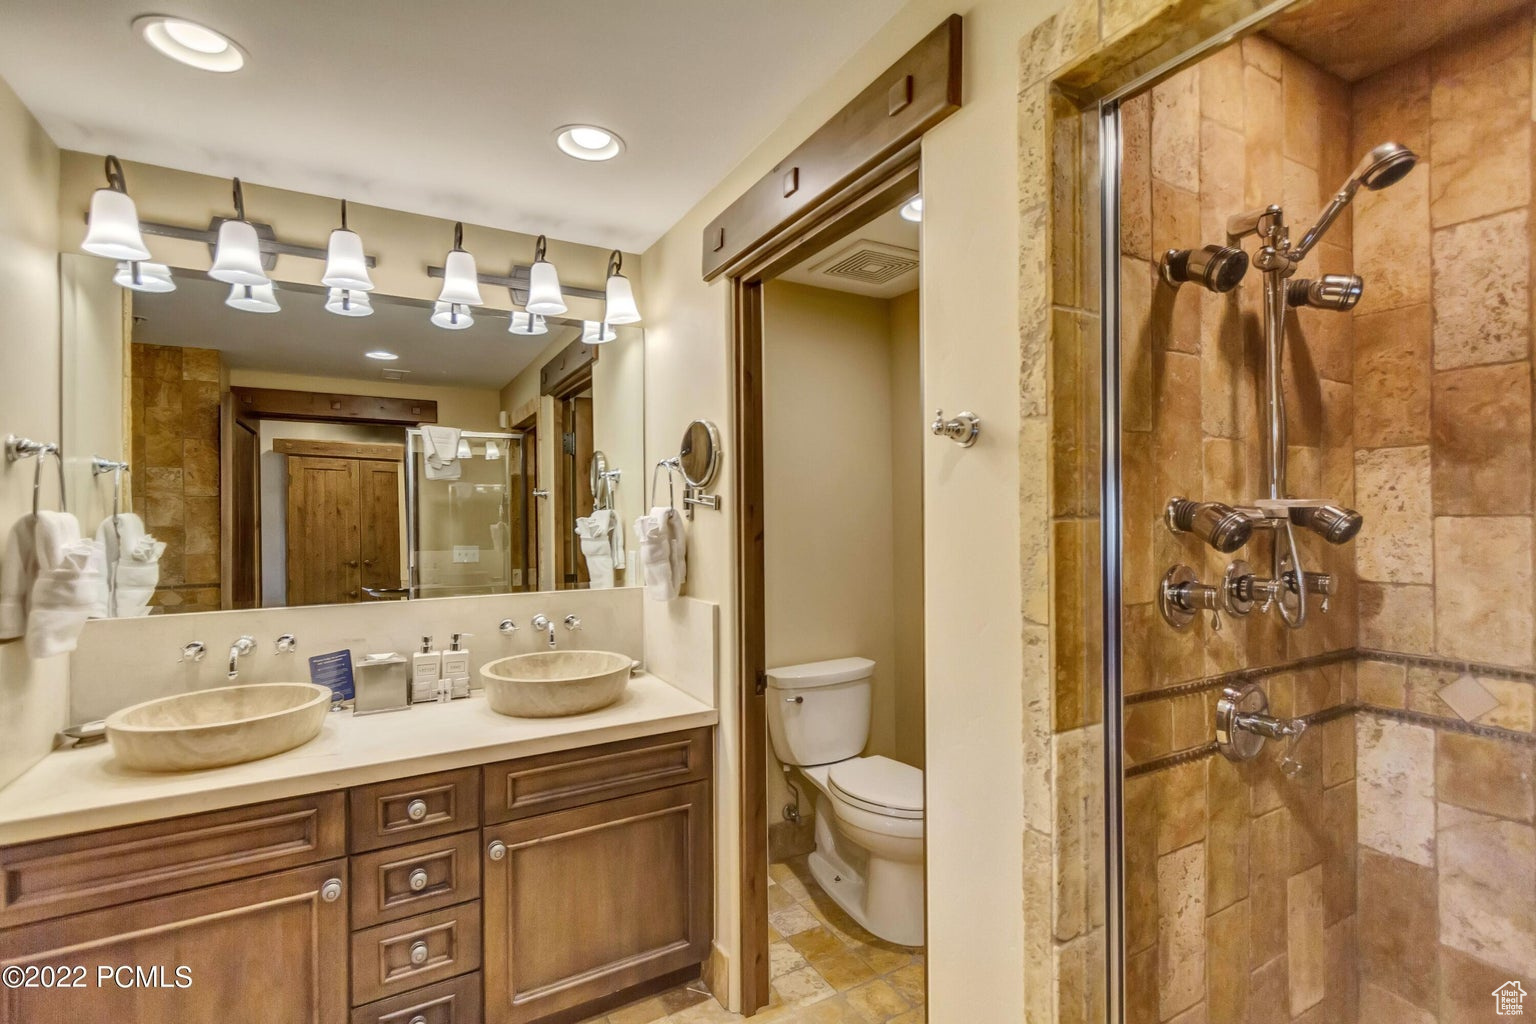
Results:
[395, 374]
[869, 262]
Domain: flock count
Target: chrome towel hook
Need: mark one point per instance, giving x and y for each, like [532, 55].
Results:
[17, 448]
[963, 429]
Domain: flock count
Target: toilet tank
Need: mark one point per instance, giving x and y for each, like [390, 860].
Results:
[819, 713]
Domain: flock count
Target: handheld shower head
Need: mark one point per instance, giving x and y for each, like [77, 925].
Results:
[1385, 165]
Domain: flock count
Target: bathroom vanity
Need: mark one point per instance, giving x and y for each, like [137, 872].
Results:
[544, 869]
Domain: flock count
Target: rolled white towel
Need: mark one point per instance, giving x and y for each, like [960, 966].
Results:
[663, 552]
[597, 549]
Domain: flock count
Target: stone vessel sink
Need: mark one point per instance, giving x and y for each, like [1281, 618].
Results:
[209, 728]
[554, 683]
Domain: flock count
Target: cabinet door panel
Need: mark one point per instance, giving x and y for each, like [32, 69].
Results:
[590, 901]
[257, 951]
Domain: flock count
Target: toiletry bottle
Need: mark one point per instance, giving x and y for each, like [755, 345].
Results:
[456, 666]
[426, 670]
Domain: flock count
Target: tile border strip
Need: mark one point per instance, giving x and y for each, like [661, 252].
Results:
[1239, 676]
[1445, 664]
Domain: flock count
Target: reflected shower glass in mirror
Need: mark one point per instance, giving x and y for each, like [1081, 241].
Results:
[343, 448]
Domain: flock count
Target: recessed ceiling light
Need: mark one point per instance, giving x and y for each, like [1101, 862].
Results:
[588, 142]
[913, 209]
[379, 353]
[192, 44]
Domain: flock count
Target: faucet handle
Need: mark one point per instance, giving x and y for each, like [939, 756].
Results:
[287, 643]
[539, 621]
[507, 627]
[193, 651]
[245, 644]
[572, 623]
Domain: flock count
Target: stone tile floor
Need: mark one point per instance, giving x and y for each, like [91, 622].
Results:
[826, 969]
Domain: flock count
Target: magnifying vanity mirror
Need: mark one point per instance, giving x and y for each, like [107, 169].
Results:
[281, 454]
[698, 457]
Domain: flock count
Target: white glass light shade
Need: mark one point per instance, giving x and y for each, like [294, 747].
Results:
[912, 210]
[464, 451]
[345, 265]
[621, 308]
[253, 298]
[461, 281]
[144, 277]
[595, 333]
[451, 316]
[544, 296]
[237, 257]
[345, 302]
[527, 323]
[492, 451]
[113, 230]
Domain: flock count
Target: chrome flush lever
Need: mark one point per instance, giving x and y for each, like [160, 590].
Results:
[963, 429]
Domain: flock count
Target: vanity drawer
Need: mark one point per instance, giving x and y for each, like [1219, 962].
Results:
[572, 778]
[456, 1001]
[404, 955]
[54, 877]
[405, 810]
[388, 885]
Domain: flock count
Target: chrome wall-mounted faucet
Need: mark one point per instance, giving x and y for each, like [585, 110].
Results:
[544, 624]
[241, 647]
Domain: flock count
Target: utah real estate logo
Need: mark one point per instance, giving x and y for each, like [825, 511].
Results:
[1509, 1000]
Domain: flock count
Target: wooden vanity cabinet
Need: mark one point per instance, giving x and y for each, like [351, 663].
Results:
[540, 889]
[264, 949]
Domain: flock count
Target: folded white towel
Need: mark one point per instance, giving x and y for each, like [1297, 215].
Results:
[441, 446]
[70, 571]
[18, 570]
[663, 552]
[595, 532]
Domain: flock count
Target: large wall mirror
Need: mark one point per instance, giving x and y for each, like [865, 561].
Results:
[280, 454]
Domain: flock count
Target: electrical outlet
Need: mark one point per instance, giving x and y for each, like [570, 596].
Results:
[466, 553]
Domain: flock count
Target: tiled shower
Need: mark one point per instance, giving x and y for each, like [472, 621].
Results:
[1392, 880]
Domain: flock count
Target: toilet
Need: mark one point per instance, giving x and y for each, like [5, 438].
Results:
[869, 810]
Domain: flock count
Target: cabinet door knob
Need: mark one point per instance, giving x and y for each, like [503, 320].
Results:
[416, 810]
[331, 890]
[352, 564]
[418, 879]
[497, 850]
[419, 951]
[420, 1018]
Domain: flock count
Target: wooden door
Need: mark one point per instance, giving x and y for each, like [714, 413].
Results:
[324, 526]
[257, 951]
[239, 509]
[591, 901]
[573, 489]
[379, 524]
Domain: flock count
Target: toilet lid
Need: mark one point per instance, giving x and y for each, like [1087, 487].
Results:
[880, 785]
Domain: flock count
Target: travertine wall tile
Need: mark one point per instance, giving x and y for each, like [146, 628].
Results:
[1392, 490]
[1396, 788]
[1488, 775]
[1181, 929]
[1481, 291]
[1487, 890]
[1483, 594]
[1481, 445]
[1398, 929]
[1305, 953]
[1392, 377]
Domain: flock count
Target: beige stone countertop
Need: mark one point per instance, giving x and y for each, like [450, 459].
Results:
[80, 790]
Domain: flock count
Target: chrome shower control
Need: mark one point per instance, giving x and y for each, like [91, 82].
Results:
[1243, 723]
[1240, 589]
[1182, 596]
[963, 429]
[416, 810]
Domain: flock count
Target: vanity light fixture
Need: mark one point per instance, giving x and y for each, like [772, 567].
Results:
[192, 44]
[382, 355]
[461, 281]
[912, 210]
[529, 324]
[253, 298]
[237, 255]
[113, 228]
[544, 297]
[139, 276]
[595, 333]
[451, 316]
[345, 265]
[620, 305]
[345, 302]
[588, 142]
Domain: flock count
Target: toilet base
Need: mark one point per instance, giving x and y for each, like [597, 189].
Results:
[884, 896]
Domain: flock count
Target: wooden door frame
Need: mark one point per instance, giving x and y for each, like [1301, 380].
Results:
[864, 167]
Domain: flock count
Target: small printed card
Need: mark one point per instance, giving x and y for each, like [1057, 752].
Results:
[333, 670]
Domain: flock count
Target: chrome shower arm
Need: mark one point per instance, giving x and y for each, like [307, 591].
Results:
[1254, 222]
[1325, 220]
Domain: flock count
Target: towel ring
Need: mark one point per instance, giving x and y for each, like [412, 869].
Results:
[669, 465]
[17, 448]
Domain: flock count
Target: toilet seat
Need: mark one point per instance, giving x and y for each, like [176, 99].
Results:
[880, 786]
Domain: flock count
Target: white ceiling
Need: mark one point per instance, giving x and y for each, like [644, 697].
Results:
[304, 338]
[444, 108]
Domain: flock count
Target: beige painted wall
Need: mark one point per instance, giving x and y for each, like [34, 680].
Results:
[405, 243]
[978, 666]
[34, 693]
[465, 408]
[907, 423]
[91, 308]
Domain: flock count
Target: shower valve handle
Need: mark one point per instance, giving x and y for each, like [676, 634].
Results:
[1182, 596]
